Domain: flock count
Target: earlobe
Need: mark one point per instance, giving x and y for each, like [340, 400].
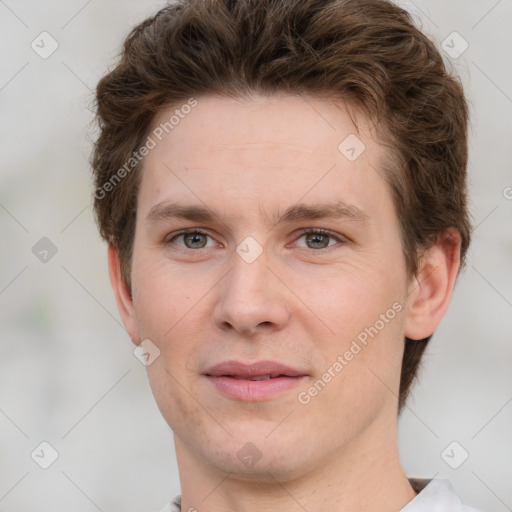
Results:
[122, 294]
[431, 291]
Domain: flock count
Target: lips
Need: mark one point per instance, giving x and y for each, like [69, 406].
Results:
[260, 370]
[257, 381]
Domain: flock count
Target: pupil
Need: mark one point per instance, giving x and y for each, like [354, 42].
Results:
[317, 239]
[194, 239]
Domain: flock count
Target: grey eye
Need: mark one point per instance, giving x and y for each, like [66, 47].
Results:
[195, 240]
[317, 240]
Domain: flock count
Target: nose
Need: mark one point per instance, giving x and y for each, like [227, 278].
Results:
[251, 299]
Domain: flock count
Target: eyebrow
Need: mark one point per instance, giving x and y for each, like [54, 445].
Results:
[166, 211]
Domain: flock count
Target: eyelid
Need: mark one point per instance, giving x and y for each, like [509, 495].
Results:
[341, 239]
[186, 231]
[337, 236]
[200, 231]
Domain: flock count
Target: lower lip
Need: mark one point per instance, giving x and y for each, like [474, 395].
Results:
[254, 390]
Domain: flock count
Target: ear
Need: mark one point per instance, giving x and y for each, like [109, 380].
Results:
[122, 294]
[431, 290]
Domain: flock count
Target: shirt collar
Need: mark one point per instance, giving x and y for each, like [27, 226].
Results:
[434, 495]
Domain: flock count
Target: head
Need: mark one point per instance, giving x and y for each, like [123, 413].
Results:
[255, 114]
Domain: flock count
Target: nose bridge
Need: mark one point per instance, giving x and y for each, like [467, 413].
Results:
[248, 276]
[250, 295]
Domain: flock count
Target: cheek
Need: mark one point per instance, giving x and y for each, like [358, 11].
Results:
[363, 305]
[366, 378]
[167, 305]
[160, 298]
[352, 296]
[171, 307]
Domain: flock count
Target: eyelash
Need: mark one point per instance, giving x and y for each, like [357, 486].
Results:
[303, 232]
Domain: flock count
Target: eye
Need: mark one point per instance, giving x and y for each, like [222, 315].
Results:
[319, 239]
[192, 239]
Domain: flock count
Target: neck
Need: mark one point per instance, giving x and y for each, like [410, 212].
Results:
[367, 475]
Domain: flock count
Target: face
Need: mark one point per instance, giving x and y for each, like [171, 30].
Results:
[264, 248]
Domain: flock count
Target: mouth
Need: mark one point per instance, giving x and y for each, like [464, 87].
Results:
[257, 381]
[255, 377]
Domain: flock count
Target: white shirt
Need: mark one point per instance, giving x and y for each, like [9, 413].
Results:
[435, 495]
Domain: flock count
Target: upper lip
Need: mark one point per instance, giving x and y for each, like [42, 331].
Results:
[248, 370]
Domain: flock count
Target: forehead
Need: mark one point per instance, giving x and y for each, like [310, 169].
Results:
[305, 123]
[232, 150]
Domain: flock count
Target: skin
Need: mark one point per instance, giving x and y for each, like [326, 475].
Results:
[244, 159]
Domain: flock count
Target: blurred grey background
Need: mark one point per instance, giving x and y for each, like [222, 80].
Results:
[68, 376]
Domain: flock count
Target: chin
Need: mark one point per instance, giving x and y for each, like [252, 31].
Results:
[257, 458]
[280, 468]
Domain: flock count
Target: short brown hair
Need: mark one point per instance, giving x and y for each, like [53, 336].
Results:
[366, 52]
